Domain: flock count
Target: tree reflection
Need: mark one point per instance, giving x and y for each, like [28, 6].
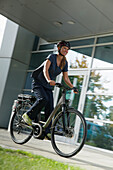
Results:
[95, 103]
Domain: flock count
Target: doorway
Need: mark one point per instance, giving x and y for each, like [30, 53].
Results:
[79, 80]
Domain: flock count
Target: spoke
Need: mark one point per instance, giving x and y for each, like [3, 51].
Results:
[68, 143]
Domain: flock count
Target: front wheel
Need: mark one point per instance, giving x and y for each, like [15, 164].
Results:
[68, 141]
[19, 130]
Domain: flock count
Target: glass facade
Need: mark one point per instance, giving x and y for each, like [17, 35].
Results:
[79, 58]
[105, 39]
[103, 56]
[37, 59]
[82, 42]
[101, 81]
[46, 47]
[95, 57]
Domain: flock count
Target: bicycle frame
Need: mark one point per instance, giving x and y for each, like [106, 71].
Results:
[66, 137]
[60, 102]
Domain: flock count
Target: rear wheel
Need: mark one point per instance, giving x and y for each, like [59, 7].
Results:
[70, 141]
[19, 130]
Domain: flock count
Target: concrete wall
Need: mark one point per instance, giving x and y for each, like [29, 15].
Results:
[15, 56]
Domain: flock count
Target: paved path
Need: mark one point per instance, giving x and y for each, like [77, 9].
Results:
[89, 158]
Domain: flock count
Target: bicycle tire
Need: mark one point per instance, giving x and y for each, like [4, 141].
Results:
[68, 143]
[20, 132]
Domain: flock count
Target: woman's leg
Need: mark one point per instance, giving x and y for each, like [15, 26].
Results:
[49, 105]
[49, 108]
[41, 100]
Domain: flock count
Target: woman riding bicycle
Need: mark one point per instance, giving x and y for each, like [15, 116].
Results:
[45, 80]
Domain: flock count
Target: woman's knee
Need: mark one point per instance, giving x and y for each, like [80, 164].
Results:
[41, 95]
[43, 100]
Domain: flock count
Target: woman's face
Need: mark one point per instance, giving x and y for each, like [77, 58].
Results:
[64, 50]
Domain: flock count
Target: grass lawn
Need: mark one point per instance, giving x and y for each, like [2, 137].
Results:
[21, 160]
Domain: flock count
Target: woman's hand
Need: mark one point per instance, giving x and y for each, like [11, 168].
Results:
[75, 90]
[52, 82]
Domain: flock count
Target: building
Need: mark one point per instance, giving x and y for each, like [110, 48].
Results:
[88, 25]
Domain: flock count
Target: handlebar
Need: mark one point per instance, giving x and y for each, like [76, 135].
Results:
[62, 86]
[66, 88]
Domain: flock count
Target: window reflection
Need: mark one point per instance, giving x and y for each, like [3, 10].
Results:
[99, 107]
[82, 42]
[37, 59]
[46, 46]
[77, 81]
[103, 56]
[105, 39]
[28, 81]
[101, 81]
[100, 135]
[78, 60]
[98, 111]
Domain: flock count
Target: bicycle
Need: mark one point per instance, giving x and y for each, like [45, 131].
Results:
[68, 129]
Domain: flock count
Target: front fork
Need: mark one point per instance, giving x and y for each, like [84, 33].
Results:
[63, 116]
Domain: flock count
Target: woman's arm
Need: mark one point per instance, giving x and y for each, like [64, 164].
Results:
[46, 73]
[67, 80]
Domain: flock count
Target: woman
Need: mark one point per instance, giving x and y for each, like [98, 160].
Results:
[44, 80]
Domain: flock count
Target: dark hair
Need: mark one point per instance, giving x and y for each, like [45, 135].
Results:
[63, 62]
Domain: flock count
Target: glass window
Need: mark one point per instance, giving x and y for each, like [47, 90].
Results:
[46, 47]
[85, 51]
[105, 39]
[35, 45]
[77, 81]
[101, 81]
[88, 126]
[79, 58]
[37, 59]
[28, 81]
[103, 56]
[99, 107]
[99, 133]
[82, 42]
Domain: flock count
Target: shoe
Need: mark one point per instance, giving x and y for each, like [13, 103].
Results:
[48, 136]
[27, 119]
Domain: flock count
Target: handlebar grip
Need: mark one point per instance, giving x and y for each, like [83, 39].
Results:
[75, 90]
[59, 85]
[67, 88]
